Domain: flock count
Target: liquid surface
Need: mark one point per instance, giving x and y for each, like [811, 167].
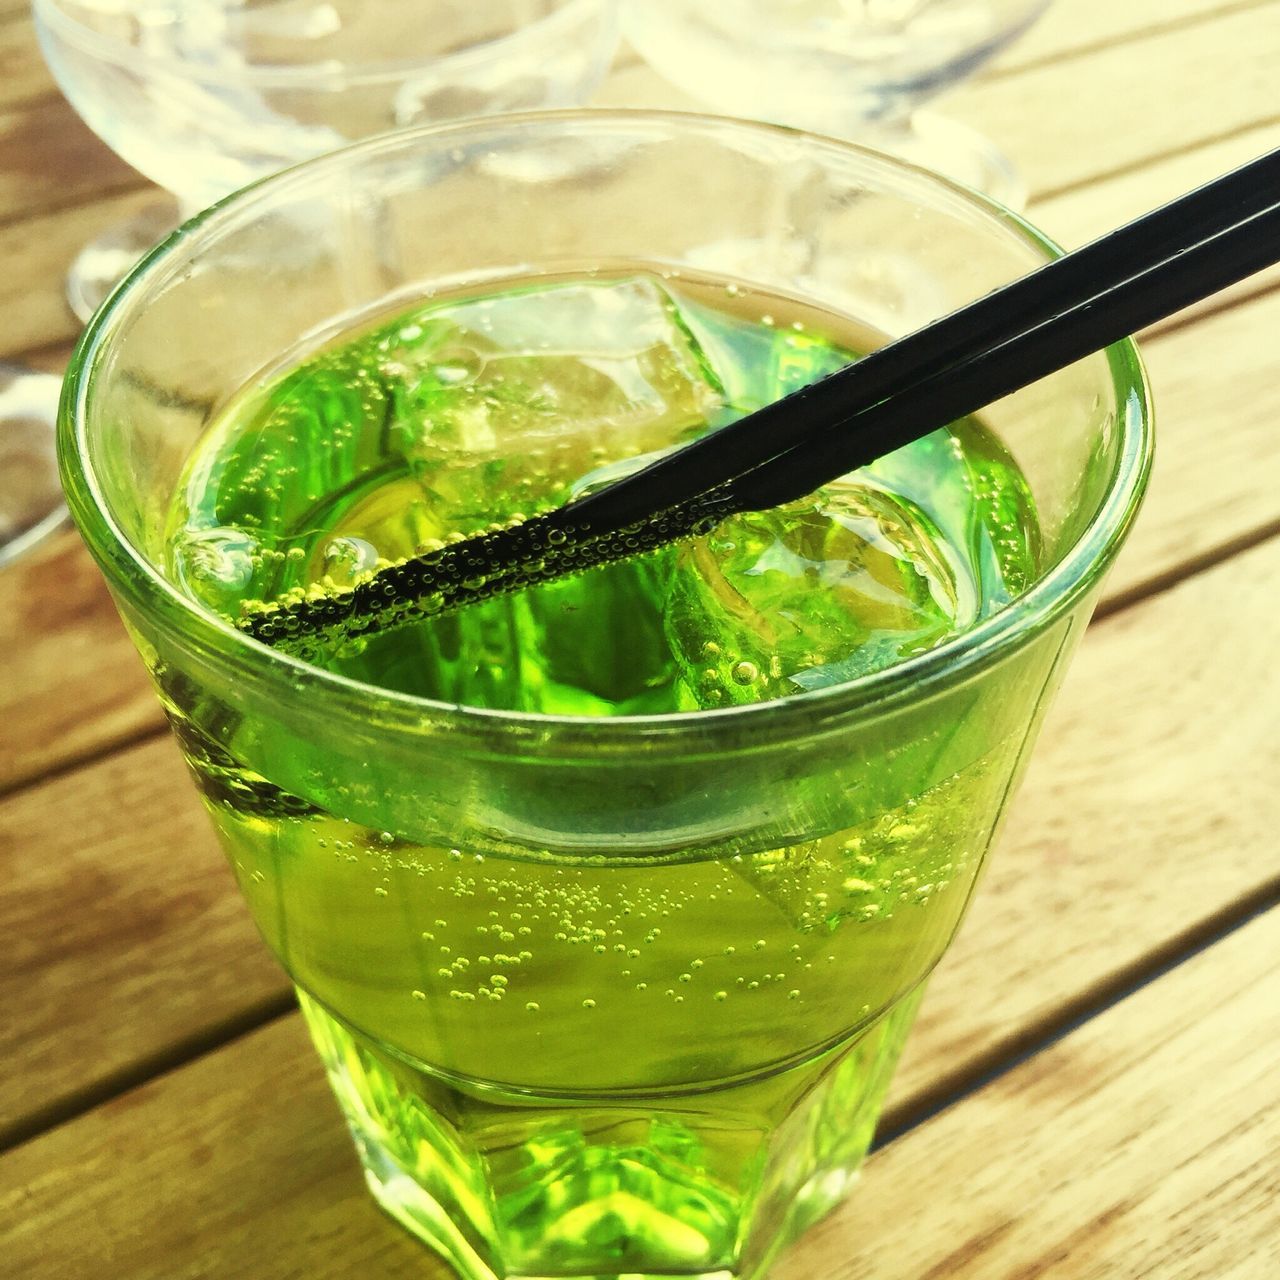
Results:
[466, 414]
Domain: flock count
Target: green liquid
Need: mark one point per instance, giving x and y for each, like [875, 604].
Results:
[559, 1059]
[462, 416]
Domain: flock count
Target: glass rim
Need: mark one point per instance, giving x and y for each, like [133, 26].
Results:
[254, 663]
[321, 75]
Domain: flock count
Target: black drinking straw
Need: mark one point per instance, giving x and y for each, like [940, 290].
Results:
[1076, 305]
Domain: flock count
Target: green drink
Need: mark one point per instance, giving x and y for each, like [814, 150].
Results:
[443, 980]
[610, 902]
[455, 416]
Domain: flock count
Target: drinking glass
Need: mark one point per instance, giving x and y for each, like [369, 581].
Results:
[598, 996]
[855, 68]
[203, 96]
[31, 503]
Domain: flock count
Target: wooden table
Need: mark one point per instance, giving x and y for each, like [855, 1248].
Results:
[1092, 1090]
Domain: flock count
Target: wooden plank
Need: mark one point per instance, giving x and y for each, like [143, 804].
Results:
[1075, 217]
[1112, 128]
[1081, 214]
[1211, 488]
[108, 699]
[1142, 1145]
[38, 252]
[49, 159]
[109, 695]
[32, 312]
[1121, 106]
[1200, 809]
[78, 687]
[124, 937]
[318, 1158]
[23, 74]
[1071, 27]
[1216, 479]
[80, 654]
[53, 358]
[237, 1166]
[73, 685]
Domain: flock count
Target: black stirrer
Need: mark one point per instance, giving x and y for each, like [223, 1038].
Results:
[986, 375]
[1065, 310]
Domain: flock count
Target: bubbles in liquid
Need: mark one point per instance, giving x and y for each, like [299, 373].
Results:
[469, 414]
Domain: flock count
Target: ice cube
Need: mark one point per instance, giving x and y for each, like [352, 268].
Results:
[814, 593]
[511, 404]
[518, 395]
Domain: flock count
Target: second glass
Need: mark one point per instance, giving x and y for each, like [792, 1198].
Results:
[204, 96]
[858, 69]
[612, 995]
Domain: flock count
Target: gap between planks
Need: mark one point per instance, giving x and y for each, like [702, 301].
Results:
[1013, 64]
[151, 1067]
[898, 1121]
[1140, 1145]
[1154, 158]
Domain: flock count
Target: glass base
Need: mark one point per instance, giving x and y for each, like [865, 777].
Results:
[108, 258]
[953, 150]
[31, 504]
[708, 1185]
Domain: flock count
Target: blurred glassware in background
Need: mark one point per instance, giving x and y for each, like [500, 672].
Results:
[30, 500]
[204, 96]
[857, 69]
